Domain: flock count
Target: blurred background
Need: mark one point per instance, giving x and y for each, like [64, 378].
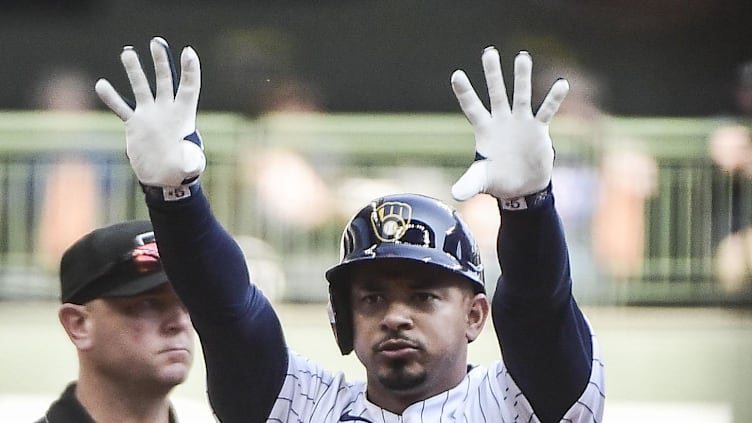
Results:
[310, 109]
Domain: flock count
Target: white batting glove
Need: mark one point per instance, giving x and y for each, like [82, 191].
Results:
[514, 153]
[162, 144]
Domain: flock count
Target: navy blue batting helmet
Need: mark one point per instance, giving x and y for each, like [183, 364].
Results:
[407, 227]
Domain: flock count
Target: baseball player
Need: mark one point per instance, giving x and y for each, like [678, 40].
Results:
[408, 294]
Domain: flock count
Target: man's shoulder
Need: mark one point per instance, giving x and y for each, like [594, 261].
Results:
[66, 409]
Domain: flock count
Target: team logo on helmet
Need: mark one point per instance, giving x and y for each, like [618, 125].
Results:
[391, 220]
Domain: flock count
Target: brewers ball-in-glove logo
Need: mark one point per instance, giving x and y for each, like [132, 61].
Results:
[391, 220]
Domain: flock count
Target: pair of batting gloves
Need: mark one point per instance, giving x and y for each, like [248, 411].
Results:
[514, 152]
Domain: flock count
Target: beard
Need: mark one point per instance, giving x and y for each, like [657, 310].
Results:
[399, 378]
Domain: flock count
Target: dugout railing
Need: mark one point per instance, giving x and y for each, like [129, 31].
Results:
[644, 207]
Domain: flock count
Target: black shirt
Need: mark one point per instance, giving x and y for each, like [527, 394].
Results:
[67, 409]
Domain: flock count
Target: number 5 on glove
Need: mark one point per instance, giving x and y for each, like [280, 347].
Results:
[162, 143]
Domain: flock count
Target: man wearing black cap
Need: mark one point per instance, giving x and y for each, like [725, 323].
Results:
[133, 335]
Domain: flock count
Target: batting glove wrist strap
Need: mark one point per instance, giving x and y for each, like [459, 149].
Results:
[162, 144]
[514, 152]
[532, 201]
[168, 194]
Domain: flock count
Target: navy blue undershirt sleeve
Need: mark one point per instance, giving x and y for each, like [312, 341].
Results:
[544, 338]
[241, 336]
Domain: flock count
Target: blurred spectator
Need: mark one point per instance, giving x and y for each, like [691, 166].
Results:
[292, 95]
[260, 74]
[69, 206]
[623, 177]
[68, 209]
[730, 148]
[63, 88]
[628, 179]
[289, 189]
[606, 230]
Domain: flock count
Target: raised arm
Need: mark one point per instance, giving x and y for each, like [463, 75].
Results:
[545, 340]
[244, 349]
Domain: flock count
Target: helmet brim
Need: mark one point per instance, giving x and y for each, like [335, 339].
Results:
[393, 252]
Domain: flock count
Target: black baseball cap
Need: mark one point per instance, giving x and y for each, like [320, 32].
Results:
[119, 260]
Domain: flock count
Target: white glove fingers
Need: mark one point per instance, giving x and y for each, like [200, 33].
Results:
[113, 100]
[553, 100]
[497, 91]
[472, 182]
[523, 69]
[190, 79]
[139, 83]
[468, 99]
[164, 69]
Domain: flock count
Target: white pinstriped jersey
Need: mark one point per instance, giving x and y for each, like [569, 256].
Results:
[313, 395]
[536, 272]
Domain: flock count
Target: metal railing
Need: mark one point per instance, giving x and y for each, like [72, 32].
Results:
[286, 184]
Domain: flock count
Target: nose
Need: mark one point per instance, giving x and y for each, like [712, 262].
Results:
[398, 316]
[179, 320]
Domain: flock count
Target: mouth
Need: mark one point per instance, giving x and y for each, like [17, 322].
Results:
[397, 349]
[176, 352]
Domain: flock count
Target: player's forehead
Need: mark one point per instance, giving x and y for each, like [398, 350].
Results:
[384, 275]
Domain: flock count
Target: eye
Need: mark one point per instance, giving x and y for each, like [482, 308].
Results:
[368, 301]
[425, 296]
[145, 305]
[372, 298]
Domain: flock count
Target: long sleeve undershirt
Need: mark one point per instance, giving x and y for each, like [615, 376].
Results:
[544, 338]
[546, 342]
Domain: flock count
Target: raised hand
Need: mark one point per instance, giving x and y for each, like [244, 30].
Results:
[162, 143]
[514, 153]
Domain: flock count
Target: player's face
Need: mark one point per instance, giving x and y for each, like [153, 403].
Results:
[411, 328]
[145, 340]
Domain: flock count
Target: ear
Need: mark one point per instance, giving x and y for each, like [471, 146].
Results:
[476, 316]
[76, 321]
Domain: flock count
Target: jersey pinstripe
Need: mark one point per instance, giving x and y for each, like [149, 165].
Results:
[313, 395]
[255, 378]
